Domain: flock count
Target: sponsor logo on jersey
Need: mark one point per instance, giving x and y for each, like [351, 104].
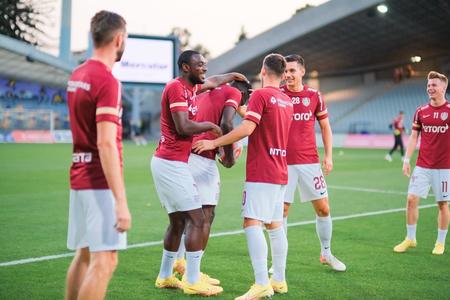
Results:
[277, 152]
[306, 101]
[444, 116]
[426, 116]
[281, 102]
[82, 157]
[72, 86]
[306, 116]
[193, 109]
[435, 129]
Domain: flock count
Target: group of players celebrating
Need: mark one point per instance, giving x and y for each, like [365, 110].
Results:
[196, 118]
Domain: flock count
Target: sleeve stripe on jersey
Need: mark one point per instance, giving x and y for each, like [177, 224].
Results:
[253, 114]
[232, 101]
[178, 104]
[107, 111]
[322, 113]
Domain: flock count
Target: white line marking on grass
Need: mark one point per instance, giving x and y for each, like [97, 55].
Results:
[219, 234]
[357, 189]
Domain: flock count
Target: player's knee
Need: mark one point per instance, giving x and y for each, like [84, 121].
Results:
[106, 265]
[443, 205]
[411, 201]
[198, 221]
[323, 211]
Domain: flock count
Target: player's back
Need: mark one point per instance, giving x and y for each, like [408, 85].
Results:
[210, 106]
[272, 110]
[93, 95]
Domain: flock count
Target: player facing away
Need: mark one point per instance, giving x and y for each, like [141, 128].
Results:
[98, 212]
[173, 181]
[397, 129]
[219, 107]
[266, 123]
[432, 122]
[304, 168]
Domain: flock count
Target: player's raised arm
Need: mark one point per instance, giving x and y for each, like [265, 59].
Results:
[217, 80]
[226, 124]
[186, 127]
[412, 143]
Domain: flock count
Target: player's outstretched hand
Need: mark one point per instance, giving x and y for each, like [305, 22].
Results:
[241, 110]
[327, 165]
[123, 218]
[203, 145]
[406, 169]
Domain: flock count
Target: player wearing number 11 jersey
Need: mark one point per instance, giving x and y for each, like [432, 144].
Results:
[303, 161]
[432, 122]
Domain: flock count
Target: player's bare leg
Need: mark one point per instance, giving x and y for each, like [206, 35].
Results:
[76, 273]
[101, 268]
[209, 212]
[443, 220]
[324, 229]
[412, 216]
[279, 249]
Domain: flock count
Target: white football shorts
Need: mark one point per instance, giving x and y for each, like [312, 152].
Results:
[263, 201]
[207, 178]
[309, 180]
[422, 179]
[175, 186]
[92, 218]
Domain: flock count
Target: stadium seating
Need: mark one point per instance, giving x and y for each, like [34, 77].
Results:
[372, 110]
[25, 105]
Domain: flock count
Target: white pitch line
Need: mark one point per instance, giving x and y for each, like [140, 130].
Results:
[219, 234]
[357, 189]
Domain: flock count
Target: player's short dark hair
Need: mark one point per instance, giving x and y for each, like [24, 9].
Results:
[297, 58]
[185, 58]
[104, 26]
[275, 63]
[243, 86]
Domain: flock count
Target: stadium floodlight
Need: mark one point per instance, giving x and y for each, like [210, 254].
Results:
[382, 8]
[416, 59]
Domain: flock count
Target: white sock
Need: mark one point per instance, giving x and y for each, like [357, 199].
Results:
[285, 225]
[441, 236]
[279, 249]
[257, 248]
[181, 248]
[168, 258]
[411, 231]
[324, 229]
[193, 260]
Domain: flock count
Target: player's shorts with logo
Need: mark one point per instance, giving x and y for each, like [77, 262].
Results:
[92, 219]
[207, 178]
[309, 180]
[174, 184]
[263, 201]
[422, 179]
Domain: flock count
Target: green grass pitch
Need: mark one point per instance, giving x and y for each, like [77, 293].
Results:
[34, 193]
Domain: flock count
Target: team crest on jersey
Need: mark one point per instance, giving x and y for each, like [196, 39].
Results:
[273, 100]
[306, 101]
[444, 116]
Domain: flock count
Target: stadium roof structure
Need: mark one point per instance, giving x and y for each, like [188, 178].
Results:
[23, 61]
[345, 36]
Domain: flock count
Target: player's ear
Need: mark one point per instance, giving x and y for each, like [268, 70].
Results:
[185, 68]
[302, 71]
[119, 39]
